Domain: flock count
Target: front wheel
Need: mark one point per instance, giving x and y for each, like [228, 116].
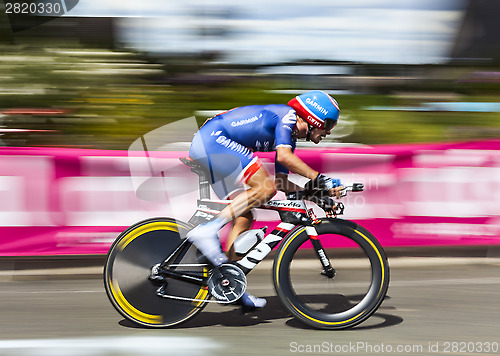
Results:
[129, 265]
[346, 295]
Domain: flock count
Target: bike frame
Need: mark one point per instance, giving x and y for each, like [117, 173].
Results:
[293, 213]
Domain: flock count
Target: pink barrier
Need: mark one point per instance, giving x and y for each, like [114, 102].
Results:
[71, 201]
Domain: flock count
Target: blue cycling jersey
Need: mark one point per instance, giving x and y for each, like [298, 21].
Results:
[258, 127]
[224, 145]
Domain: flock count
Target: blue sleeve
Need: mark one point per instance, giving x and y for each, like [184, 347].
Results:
[283, 133]
[279, 168]
[284, 128]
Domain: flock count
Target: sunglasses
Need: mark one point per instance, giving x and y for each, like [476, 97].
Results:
[330, 124]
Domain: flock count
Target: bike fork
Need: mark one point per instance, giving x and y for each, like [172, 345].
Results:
[328, 269]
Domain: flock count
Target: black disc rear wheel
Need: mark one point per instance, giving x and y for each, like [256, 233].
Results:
[128, 268]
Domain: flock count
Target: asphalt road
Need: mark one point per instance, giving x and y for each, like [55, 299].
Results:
[445, 306]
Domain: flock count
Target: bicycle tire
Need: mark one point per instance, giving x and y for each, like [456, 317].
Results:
[128, 266]
[332, 310]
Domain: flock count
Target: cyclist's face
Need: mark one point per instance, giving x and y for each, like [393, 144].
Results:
[317, 135]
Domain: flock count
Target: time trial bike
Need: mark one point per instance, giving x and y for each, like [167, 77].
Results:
[154, 276]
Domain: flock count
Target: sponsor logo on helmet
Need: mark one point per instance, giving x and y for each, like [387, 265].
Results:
[316, 106]
[313, 121]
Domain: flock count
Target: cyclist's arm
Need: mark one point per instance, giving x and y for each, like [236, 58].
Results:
[287, 158]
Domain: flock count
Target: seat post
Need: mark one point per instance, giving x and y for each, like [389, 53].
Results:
[204, 185]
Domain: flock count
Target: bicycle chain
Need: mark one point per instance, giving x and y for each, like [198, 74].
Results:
[190, 299]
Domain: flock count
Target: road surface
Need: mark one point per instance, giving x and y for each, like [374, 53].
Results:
[445, 306]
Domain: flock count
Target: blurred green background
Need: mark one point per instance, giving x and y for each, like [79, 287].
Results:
[108, 95]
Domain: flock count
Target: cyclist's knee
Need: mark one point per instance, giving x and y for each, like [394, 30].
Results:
[268, 190]
[271, 193]
[262, 193]
[263, 185]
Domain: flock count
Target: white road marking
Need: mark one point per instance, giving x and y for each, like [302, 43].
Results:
[116, 346]
[58, 291]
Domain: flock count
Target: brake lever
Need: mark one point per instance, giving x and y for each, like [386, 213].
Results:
[339, 207]
[355, 187]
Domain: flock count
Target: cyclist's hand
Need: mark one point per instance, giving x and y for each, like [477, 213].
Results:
[337, 192]
[322, 182]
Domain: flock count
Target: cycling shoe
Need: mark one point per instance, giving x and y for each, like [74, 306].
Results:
[205, 238]
[249, 303]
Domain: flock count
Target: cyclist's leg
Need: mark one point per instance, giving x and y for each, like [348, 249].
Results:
[205, 236]
[230, 166]
[261, 190]
[240, 224]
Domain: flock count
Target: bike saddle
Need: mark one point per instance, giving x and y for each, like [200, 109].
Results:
[195, 166]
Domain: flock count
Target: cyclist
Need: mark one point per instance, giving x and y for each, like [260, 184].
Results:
[224, 146]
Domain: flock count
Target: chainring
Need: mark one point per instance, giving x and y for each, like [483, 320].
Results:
[227, 283]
